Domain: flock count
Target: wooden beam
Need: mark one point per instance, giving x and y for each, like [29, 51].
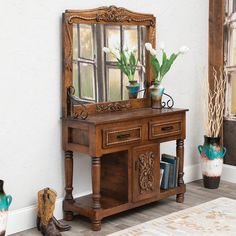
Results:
[216, 37]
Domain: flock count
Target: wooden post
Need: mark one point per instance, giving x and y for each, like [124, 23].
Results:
[69, 182]
[180, 155]
[216, 40]
[96, 179]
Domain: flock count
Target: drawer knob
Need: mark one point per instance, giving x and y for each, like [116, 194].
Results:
[167, 128]
[123, 136]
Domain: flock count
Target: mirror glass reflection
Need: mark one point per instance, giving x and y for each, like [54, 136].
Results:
[96, 76]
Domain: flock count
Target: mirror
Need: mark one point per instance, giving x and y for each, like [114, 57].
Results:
[92, 78]
[96, 76]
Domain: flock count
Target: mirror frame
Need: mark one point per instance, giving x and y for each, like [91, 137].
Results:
[101, 15]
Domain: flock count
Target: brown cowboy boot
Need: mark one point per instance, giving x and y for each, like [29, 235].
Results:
[61, 227]
[40, 209]
[46, 225]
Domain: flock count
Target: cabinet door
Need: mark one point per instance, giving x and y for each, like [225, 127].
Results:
[146, 172]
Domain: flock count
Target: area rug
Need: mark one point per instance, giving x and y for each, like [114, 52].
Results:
[217, 217]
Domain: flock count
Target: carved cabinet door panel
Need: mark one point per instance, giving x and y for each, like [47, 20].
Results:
[146, 172]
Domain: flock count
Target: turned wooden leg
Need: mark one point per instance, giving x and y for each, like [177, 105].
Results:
[96, 178]
[180, 154]
[96, 175]
[68, 215]
[96, 225]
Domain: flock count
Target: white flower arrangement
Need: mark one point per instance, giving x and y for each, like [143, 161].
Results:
[127, 62]
[160, 69]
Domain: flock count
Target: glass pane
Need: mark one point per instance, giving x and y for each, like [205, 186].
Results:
[75, 41]
[112, 40]
[131, 38]
[114, 84]
[76, 78]
[125, 90]
[142, 44]
[233, 94]
[87, 81]
[232, 45]
[86, 41]
[234, 5]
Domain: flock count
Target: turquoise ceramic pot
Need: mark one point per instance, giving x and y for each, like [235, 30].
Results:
[211, 148]
[5, 202]
[133, 89]
[211, 161]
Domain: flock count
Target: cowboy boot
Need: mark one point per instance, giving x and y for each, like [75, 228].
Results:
[61, 227]
[47, 226]
[40, 209]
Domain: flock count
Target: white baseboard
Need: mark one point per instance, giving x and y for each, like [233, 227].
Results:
[229, 173]
[25, 218]
[192, 173]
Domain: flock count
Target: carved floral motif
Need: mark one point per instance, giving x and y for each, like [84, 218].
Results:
[146, 176]
[114, 14]
[117, 106]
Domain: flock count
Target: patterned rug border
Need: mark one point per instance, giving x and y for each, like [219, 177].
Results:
[211, 202]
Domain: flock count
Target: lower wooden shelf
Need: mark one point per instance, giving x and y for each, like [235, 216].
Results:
[111, 206]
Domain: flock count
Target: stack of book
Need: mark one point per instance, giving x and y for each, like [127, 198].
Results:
[169, 166]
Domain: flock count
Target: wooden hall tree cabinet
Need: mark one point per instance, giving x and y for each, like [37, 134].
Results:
[125, 154]
[122, 137]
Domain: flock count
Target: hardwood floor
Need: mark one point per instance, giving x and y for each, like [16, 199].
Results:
[196, 194]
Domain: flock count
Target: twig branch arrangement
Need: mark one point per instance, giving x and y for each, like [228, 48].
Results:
[215, 103]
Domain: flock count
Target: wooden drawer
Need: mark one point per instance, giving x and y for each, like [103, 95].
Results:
[165, 129]
[114, 137]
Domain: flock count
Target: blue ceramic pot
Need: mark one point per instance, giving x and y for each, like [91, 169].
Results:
[133, 89]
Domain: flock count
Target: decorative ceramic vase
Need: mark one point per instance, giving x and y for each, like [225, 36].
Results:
[133, 89]
[157, 91]
[211, 161]
[5, 201]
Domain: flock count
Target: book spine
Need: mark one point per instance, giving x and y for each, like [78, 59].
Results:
[165, 178]
[171, 176]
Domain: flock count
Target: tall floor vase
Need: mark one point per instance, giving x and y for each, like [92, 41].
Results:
[211, 161]
[5, 201]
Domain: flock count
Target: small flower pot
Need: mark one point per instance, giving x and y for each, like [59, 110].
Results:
[5, 201]
[133, 89]
[157, 92]
[211, 161]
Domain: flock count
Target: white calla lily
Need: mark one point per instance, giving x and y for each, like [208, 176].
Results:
[161, 62]
[148, 46]
[153, 52]
[183, 49]
[116, 53]
[106, 50]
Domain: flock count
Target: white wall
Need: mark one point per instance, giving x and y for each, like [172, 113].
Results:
[31, 156]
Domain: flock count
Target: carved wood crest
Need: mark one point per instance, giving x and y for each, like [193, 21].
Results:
[146, 175]
[113, 106]
[113, 14]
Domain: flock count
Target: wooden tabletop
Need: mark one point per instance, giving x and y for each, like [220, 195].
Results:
[120, 116]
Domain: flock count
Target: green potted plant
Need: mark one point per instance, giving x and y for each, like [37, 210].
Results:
[127, 63]
[160, 68]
